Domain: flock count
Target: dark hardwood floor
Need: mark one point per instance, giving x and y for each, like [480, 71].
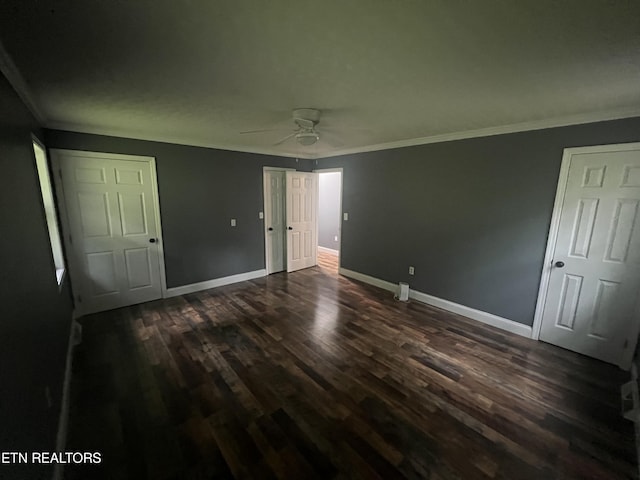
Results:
[312, 375]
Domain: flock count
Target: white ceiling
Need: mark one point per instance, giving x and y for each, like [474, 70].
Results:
[383, 73]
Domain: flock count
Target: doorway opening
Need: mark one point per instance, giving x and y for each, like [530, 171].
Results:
[329, 218]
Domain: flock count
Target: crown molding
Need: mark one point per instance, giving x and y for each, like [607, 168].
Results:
[16, 80]
[580, 119]
[110, 132]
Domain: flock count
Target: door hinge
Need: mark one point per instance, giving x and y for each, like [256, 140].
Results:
[60, 173]
[626, 344]
[79, 298]
[70, 239]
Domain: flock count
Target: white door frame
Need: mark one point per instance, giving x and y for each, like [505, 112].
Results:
[264, 209]
[56, 154]
[332, 170]
[553, 237]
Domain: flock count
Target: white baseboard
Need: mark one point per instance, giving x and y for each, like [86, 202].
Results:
[328, 250]
[376, 282]
[216, 282]
[479, 315]
[63, 421]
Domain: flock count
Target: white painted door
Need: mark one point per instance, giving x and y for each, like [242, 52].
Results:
[592, 303]
[274, 216]
[111, 209]
[302, 220]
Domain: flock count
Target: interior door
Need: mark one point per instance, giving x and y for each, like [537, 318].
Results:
[302, 220]
[592, 302]
[274, 220]
[114, 238]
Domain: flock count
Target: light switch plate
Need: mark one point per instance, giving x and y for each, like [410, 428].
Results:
[233, 222]
[345, 215]
[260, 215]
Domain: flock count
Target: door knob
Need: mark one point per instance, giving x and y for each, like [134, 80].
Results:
[270, 229]
[559, 264]
[152, 240]
[289, 228]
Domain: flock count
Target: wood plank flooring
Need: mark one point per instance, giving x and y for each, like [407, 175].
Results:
[328, 261]
[311, 375]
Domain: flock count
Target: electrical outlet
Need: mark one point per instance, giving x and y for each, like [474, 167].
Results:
[233, 222]
[260, 215]
[412, 270]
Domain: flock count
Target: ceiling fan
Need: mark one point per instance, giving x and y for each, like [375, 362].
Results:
[305, 133]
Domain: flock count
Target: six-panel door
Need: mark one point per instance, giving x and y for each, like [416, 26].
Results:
[592, 300]
[110, 206]
[302, 224]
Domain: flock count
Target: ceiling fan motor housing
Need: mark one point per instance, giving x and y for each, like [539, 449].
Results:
[308, 114]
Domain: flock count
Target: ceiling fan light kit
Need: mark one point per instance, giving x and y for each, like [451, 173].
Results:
[307, 138]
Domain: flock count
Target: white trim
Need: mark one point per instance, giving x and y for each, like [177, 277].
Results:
[445, 137]
[73, 265]
[472, 313]
[339, 170]
[491, 131]
[625, 362]
[16, 80]
[48, 191]
[551, 244]
[376, 282]
[159, 232]
[107, 155]
[484, 317]
[116, 132]
[216, 282]
[277, 169]
[328, 250]
[63, 419]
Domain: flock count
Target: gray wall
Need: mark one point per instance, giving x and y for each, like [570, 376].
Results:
[329, 210]
[472, 216]
[201, 190]
[35, 317]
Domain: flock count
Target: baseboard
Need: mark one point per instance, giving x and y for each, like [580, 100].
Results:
[328, 250]
[216, 282]
[376, 282]
[478, 315]
[63, 421]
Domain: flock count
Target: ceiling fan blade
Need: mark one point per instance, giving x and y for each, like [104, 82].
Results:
[346, 129]
[285, 138]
